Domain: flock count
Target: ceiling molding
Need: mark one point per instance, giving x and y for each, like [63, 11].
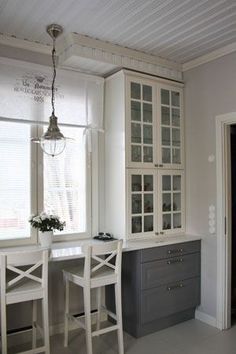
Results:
[76, 46]
[230, 48]
[24, 44]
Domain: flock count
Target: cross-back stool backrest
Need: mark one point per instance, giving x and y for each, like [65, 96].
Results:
[107, 255]
[31, 260]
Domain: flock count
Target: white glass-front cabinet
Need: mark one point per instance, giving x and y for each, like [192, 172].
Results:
[155, 202]
[144, 177]
[154, 124]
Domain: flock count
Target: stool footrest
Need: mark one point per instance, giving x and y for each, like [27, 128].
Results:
[34, 351]
[76, 320]
[111, 314]
[104, 330]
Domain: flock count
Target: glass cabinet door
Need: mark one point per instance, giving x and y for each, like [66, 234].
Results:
[172, 201]
[141, 124]
[170, 127]
[141, 203]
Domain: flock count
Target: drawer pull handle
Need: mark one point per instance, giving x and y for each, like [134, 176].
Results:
[172, 261]
[176, 250]
[175, 287]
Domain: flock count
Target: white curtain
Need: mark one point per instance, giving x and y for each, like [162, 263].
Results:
[25, 91]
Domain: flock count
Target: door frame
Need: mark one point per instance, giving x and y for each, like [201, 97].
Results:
[224, 236]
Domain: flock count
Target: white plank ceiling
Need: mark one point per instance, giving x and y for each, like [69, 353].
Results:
[179, 30]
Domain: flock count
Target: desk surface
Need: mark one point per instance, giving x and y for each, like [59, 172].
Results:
[74, 249]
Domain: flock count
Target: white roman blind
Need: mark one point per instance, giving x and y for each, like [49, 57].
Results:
[65, 184]
[15, 181]
[25, 91]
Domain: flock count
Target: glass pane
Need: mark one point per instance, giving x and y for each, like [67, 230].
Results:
[135, 133]
[176, 201]
[148, 183]
[15, 181]
[165, 136]
[176, 117]
[175, 98]
[176, 183]
[147, 93]
[148, 223]
[165, 155]
[136, 153]
[135, 111]
[176, 155]
[147, 154]
[148, 203]
[147, 134]
[65, 184]
[136, 203]
[165, 96]
[147, 113]
[175, 137]
[135, 90]
[166, 225]
[165, 115]
[166, 202]
[166, 183]
[136, 224]
[136, 183]
[177, 224]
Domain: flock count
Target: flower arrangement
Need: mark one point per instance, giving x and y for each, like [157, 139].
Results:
[45, 222]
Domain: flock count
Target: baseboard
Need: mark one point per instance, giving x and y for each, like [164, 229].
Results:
[201, 316]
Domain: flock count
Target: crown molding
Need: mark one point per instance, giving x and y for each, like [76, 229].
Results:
[76, 46]
[24, 44]
[230, 48]
[109, 57]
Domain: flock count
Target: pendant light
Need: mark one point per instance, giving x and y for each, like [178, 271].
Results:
[52, 141]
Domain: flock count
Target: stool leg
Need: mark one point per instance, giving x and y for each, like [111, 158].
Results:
[87, 311]
[66, 312]
[119, 317]
[99, 305]
[46, 325]
[34, 320]
[3, 326]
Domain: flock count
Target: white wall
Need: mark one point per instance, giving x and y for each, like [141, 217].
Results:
[210, 90]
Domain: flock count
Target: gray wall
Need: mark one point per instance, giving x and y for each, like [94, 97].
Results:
[210, 90]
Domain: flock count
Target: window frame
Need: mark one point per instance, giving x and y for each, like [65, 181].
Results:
[36, 191]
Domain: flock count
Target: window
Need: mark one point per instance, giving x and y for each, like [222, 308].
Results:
[62, 187]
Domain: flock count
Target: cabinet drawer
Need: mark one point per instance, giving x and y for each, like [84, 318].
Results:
[165, 271]
[173, 250]
[169, 299]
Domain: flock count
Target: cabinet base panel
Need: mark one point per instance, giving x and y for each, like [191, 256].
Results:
[159, 324]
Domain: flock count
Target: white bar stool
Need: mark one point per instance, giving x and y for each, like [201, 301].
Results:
[96, 272]
[18, 285]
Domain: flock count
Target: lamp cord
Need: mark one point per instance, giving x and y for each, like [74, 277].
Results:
[53, 77]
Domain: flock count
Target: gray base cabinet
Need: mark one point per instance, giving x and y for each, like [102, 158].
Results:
[160, 287]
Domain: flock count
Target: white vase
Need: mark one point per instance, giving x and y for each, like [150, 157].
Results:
[45, 238]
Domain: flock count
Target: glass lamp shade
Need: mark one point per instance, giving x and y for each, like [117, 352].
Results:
[53, 147]
[52, 141]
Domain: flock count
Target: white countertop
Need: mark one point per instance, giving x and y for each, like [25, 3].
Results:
[74, 249]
